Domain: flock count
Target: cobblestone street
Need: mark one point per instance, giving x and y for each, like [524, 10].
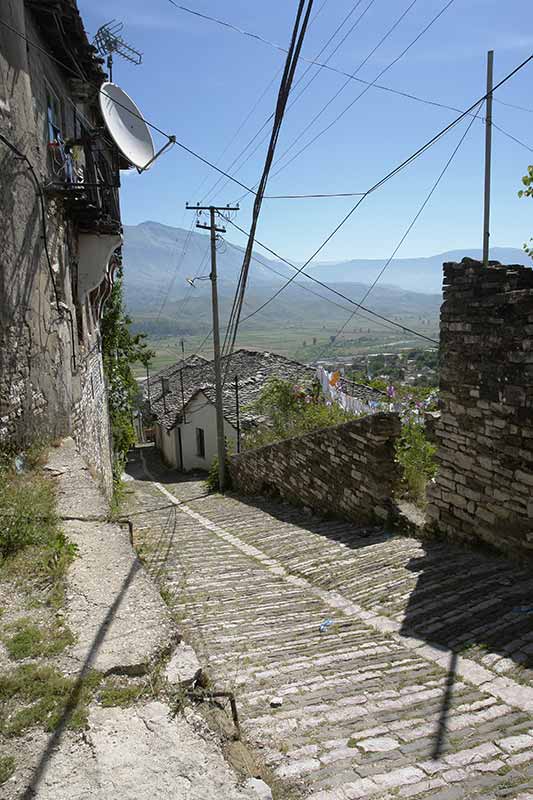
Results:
[422, 686]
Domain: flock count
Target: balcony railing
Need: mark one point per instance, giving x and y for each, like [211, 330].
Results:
[86, 177]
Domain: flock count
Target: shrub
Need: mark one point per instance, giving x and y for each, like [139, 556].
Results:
[291, 412]
[212, 476]
[416, 456]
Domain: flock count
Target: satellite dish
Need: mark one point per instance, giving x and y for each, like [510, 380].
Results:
[125, 124]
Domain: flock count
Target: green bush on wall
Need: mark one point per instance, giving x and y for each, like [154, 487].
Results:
[416, 456]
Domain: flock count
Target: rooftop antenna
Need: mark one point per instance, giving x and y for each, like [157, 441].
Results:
[108, 41]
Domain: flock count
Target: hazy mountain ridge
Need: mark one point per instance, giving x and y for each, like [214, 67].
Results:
[156, 268]
[153, 254]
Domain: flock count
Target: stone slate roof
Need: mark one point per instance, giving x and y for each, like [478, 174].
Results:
[171, 373]
[253, 370]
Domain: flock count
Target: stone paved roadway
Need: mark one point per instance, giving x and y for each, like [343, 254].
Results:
[423, 686]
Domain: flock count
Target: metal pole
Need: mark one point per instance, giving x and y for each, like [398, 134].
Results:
[183, 350]
[163, 393]
[182, 397]
[488, 149]
[148, 386]
[237, 414]
[221, 446]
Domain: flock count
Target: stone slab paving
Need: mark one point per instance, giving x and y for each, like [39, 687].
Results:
[421, 687]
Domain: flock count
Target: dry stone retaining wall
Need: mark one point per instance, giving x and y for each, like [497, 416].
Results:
[347, 470]
[484, 487]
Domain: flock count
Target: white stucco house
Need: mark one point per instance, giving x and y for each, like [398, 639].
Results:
[182, 401]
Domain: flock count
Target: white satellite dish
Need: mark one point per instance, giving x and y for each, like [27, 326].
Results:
[125, 124]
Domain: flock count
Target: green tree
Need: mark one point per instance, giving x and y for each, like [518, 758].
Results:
[527, 180]
[120, 349]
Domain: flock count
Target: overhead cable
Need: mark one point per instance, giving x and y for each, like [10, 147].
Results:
[361, 94]
[297, 39]
[339, 91]
[133, 114]
[176, 269]
[390, 322]
[392, 173]
[300, 80]
[325, 286]
[408, 229]
[231, 178]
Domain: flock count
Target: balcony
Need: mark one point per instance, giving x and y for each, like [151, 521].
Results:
[85, 175]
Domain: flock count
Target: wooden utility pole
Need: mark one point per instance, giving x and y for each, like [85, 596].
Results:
[488, 154]
[214, 229]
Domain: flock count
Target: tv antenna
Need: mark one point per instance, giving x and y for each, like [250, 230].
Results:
[108, 41]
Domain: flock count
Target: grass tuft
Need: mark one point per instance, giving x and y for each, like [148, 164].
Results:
[7, 768]
[29, 640]
[113, 695]
[40, 696]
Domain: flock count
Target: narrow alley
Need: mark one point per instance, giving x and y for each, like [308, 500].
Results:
[420, 682]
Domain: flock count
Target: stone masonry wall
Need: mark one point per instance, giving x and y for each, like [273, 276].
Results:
[484, 487]
[49, 384]
[347, 470]
[90, 421]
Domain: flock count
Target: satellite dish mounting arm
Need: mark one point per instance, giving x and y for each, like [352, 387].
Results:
[171, 141]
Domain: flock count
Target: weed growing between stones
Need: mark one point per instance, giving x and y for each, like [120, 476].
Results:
[33, 548]
[26, 639]
[113, 695]
[27, 511]
[7, 768]
[39, 696]
[416, 456]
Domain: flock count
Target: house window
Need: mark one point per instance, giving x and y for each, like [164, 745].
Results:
[53, 115]
[200, 443]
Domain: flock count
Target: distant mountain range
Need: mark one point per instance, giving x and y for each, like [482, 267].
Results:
[158, 259]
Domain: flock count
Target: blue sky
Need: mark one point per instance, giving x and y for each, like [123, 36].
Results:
[199, 81]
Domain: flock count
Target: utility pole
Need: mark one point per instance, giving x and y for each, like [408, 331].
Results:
[237, 413]
[488, 153]
[148, 387]
[214, 229]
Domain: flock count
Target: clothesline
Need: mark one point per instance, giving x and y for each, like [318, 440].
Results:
[331, 383]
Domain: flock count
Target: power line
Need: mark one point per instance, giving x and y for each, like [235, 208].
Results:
[391, 174]
[362, 93]
[40, 194]
[231, 178]
[347, 81]
[322, 297]
[297, 39]
[510, 136]
[409, 228]
[326, 286]
[276, 76]
[298, 82]
[512, 105]
[152, 125]
[370, 84]
[176, 270]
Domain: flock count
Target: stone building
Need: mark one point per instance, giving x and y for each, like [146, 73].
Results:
[59, 229]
